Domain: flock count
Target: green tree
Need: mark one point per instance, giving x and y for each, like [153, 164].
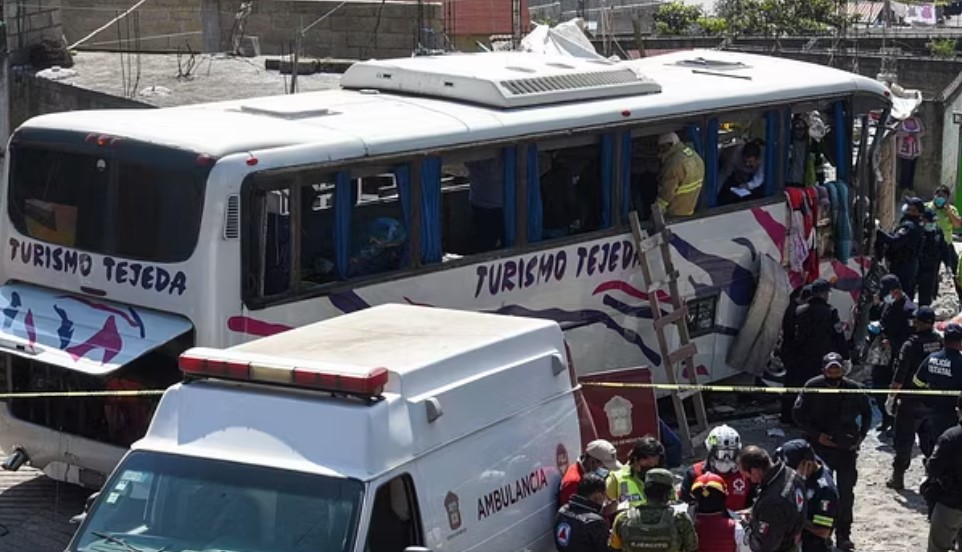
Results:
[942, 47]
[676, 17]
[713, 26]
[781, 17]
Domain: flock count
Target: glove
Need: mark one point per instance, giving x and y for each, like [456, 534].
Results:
[890, 405]
[875, 328]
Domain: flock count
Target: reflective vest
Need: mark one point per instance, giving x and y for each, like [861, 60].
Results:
[649, 528]
[716, 533]
[739, 487]
[631, 491]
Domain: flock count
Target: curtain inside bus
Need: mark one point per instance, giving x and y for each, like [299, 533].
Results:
[345, 197]
[711, 160]
[402, 175]
[626, 205]
[431, 207]
[607, 172]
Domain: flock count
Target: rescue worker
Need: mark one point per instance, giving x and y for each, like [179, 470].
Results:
[948, 220]
[723, 444]
[626, 487]
[778, 516]
[835, 425]
[580, 525]
[941, 371]
[820, 492]
[680, 178]
[717, 528]
[789, 352]
[743, 174]
[932, 254]
[818, 331]
[902, 245]
[908, 420]
[655, 525]
[944, 469]
[893, 311]
[599, 457]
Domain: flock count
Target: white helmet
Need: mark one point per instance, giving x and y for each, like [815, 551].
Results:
[723, 444]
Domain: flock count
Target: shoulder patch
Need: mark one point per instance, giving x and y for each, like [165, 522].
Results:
[799, 500]
[562, 534]
[902, 231]
[822, 482]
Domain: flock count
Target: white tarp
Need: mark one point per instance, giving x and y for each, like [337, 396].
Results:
[566, 39]
[904, 102]
[80, 333]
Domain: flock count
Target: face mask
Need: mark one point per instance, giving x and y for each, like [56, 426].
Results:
[939, 202]
[723, 466]
[905, 208]
[601, 472]
[889, 299]
[930, 226]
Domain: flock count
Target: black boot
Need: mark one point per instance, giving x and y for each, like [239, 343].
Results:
[897, 481]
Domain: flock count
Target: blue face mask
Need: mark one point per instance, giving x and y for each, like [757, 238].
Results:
[939, 202]
[601, 472]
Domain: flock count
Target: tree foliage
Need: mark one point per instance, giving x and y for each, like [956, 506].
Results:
[676, 17]
[781, 17]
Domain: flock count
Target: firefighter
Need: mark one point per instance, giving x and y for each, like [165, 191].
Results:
[723, 445]
[778, 516]
[718, 529]
[903, 244]
[820, 490]
[835, 425]
[908, 421]
[655, 525]
[681, 176]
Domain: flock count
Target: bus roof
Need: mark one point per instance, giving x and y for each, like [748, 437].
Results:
[348, 124]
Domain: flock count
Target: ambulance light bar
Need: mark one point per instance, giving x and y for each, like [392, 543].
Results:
[363, 385]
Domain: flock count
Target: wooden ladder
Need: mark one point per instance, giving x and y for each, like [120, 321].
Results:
[685, 354]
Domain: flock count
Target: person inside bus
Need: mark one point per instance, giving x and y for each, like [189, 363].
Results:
[806, 165]
[486, 196]
[559, 200]
[681, 176]
[743, 173]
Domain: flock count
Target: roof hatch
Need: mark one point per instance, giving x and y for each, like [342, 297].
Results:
[504, 80]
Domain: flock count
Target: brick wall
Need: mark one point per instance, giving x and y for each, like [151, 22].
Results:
[28, 22]
[359, 29]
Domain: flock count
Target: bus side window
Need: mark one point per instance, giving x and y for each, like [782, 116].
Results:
[741, 159]
[317, 255]
[571, 188]
[395, 519]
[379, 223]
[268, 242]
[668, 169]
[473, 194]
[645, 167]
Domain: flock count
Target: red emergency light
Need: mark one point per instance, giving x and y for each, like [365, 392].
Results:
[363, 385]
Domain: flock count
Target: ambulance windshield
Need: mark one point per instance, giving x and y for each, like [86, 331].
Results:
[173, 503]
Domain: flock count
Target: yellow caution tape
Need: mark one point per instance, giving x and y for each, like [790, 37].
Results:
[771, 390]
[82, 394]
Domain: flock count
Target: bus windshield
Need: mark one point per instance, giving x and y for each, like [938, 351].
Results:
[126, 199]
[175, 503]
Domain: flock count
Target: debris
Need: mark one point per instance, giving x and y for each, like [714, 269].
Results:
[56, 73]
[156, 91]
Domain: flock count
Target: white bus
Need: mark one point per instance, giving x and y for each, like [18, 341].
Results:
[132, 235]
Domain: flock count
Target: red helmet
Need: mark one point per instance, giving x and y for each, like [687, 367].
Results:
[709, 481]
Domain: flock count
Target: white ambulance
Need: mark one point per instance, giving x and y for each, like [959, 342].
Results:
[390, 429]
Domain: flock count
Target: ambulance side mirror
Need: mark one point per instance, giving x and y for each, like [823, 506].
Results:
[79, 518]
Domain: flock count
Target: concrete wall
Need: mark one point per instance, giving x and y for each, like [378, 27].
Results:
[31, 96]
[28, 22]
[359, 29]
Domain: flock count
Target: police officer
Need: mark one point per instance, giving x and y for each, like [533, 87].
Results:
[820, 492]
[818, 331]
[789, 351]
[941, 371]
[778, 515]
[933, 252]
[626, 487]
[945, 470]
[908, 421]
[835, 425]
[655, 525]
[895, 312]
[579, 525]
[902, 245]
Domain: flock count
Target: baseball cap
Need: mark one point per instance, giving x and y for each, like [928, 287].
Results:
[794, 452]
[821, 286]
[888, 283]
[925, 314]
[604, 452]
[952, 331]
[916, 202]
[832, 358]
[659, 475]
